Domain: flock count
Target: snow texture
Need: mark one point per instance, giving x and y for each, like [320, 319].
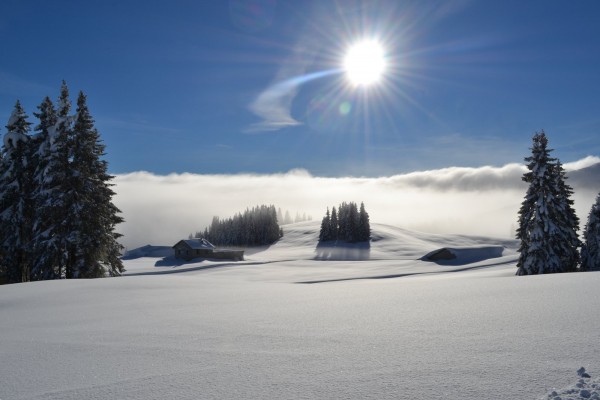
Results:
[584, 388]
[284, 324]
[198, 244]
[11, 139]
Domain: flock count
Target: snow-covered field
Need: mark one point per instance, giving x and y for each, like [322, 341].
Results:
[294, 321]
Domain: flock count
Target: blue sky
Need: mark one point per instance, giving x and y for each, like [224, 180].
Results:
[177, 86]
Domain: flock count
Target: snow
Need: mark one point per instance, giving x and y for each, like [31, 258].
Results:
[198, 244]
[583, 389]
[11, 139]
[389, 326]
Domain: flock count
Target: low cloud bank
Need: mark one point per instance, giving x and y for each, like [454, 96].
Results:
[160, 210]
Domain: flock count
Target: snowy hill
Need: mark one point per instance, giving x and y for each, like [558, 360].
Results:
[285, 323]
[392, 250]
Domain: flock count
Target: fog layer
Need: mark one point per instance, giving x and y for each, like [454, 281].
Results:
[160, 210]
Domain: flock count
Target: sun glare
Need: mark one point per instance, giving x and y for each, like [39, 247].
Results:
[364, 63]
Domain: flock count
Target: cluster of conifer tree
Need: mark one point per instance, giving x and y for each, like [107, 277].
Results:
[254, 227]
[348, 224]
[287, 218]
[547, 221]
[57, 218]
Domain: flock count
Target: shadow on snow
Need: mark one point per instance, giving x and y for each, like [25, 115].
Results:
[343, 251]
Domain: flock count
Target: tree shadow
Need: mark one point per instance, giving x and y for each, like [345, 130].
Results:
[394, 276]
[171, 261]
[462, 256]
[343, 251]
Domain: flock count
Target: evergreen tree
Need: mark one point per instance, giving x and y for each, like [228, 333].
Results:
[42, 269]
[74, 232]
[47, 120]
[92, 249]
[567, 241]
[255, 227]
[56, 195]
[57, 217]
[346, 223]
[287, 219]
[590, 252]
[334, 224]
[325, 232]
[342, 233]
[16, 200]
[352, 223]
[364, 226]
[546, 219]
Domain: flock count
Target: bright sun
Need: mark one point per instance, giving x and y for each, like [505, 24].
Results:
[365, 63]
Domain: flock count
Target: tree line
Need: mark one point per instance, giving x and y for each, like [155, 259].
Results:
[286, 219]
[57, 219]
[348, 224]
[548, 224]
[254, 227]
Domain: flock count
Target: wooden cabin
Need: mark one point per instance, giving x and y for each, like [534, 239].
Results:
[202, 248]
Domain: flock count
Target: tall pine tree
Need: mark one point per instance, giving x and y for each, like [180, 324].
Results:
[325, 232]
[16, 198]
[333, 224]
[547, 222]
[54, 222]
[92, 248]
[364, 226]
[567, 240]
[42, 267]
[590, 252]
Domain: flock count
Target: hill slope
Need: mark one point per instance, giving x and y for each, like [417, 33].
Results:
[249, 330]
[392, 251]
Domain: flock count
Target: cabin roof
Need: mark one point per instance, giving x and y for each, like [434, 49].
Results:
[197, 244]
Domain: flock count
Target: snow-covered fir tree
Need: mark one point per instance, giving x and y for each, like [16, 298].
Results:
[590, 251]
[42, 138]
[54, 222]
[567, 242]
[16, 198]
[57, 214]
[547, 222]
[93, 249]
[42, 269]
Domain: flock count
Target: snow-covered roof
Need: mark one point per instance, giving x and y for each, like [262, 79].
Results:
[197, 244]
